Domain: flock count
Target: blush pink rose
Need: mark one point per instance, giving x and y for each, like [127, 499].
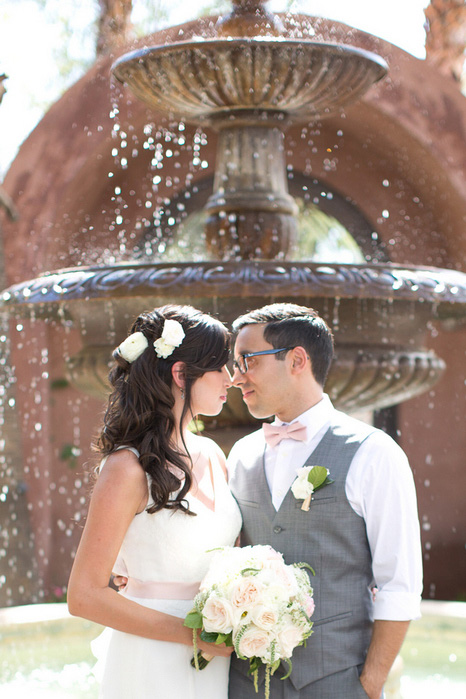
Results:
[219, 615]
[273, 555]
[309, 605]
[254, 643]
[246, 593]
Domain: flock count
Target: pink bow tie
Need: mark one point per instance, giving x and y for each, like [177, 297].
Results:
[275, 433]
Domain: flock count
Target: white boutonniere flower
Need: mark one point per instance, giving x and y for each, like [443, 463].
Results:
[172, 336]
[310, 479]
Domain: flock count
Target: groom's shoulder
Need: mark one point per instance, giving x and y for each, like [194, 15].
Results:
[344, 423]
[353, 429]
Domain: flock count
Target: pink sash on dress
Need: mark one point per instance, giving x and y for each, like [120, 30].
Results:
[160, 589]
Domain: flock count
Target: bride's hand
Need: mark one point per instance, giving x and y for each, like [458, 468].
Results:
[213, 649]
[119, 581]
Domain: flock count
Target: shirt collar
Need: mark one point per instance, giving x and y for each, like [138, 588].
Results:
[315, 418]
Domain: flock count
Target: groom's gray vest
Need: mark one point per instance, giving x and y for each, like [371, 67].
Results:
[331, 537]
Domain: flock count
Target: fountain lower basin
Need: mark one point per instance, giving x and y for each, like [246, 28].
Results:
[380, 315]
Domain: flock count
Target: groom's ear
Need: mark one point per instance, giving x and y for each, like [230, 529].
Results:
[300, 360]
[179, 374]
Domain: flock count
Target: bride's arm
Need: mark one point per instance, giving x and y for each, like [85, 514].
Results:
[120, 492]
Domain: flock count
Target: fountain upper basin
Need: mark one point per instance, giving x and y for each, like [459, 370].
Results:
[209, 79]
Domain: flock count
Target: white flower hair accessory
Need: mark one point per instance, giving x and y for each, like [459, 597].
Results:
[134, 345]
[172, 336]
[310, 479]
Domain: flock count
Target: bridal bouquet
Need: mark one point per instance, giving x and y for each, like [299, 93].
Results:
[251, 600]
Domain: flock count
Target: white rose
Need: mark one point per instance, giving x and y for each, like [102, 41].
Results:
[301, 488]
[254, 643]
[162, 348]
[284, 575]
[134, 345]
[173, 333]
[218, 615]
[288, 638]
[264, 617]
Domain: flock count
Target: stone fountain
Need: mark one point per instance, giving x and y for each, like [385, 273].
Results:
[250, 83]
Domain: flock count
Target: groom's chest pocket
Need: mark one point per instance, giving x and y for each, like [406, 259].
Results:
[246, 502]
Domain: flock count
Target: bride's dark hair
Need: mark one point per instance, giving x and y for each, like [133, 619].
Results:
[139, 413]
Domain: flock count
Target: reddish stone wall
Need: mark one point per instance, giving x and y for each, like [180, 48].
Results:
[433, 435]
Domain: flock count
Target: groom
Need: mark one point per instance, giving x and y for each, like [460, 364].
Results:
[361, 532]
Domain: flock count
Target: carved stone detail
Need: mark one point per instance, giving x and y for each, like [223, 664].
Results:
[443, 288]
[378, 314]
[205, 80]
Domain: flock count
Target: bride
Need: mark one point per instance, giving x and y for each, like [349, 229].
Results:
[159, 506]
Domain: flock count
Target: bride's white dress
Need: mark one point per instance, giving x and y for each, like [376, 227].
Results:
[166, 554]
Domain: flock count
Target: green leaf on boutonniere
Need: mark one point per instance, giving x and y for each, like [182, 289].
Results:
[318, 476]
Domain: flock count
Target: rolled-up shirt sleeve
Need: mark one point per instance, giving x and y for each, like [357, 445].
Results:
[380, 488]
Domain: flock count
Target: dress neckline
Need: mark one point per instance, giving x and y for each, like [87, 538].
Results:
[195, 492]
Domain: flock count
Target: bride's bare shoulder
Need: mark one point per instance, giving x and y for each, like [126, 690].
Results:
[123, 463]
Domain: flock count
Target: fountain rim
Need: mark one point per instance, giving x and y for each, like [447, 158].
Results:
[230, 43]
[389, 281]
[234, 42]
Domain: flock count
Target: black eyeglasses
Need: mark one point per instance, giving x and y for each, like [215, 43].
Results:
[242, 365]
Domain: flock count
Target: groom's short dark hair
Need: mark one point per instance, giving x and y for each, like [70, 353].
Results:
[290, 325]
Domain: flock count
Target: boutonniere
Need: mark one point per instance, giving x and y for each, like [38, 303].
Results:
[310, 479]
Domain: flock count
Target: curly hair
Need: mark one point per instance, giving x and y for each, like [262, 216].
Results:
[139, 413]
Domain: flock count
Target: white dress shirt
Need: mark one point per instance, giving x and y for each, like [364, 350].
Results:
[380, 488]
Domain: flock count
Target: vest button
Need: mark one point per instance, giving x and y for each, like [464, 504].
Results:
[277, 529]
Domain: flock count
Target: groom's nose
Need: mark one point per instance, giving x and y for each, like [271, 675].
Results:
[237, 377]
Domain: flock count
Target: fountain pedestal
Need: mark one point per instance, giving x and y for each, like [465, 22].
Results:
[250, 215]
